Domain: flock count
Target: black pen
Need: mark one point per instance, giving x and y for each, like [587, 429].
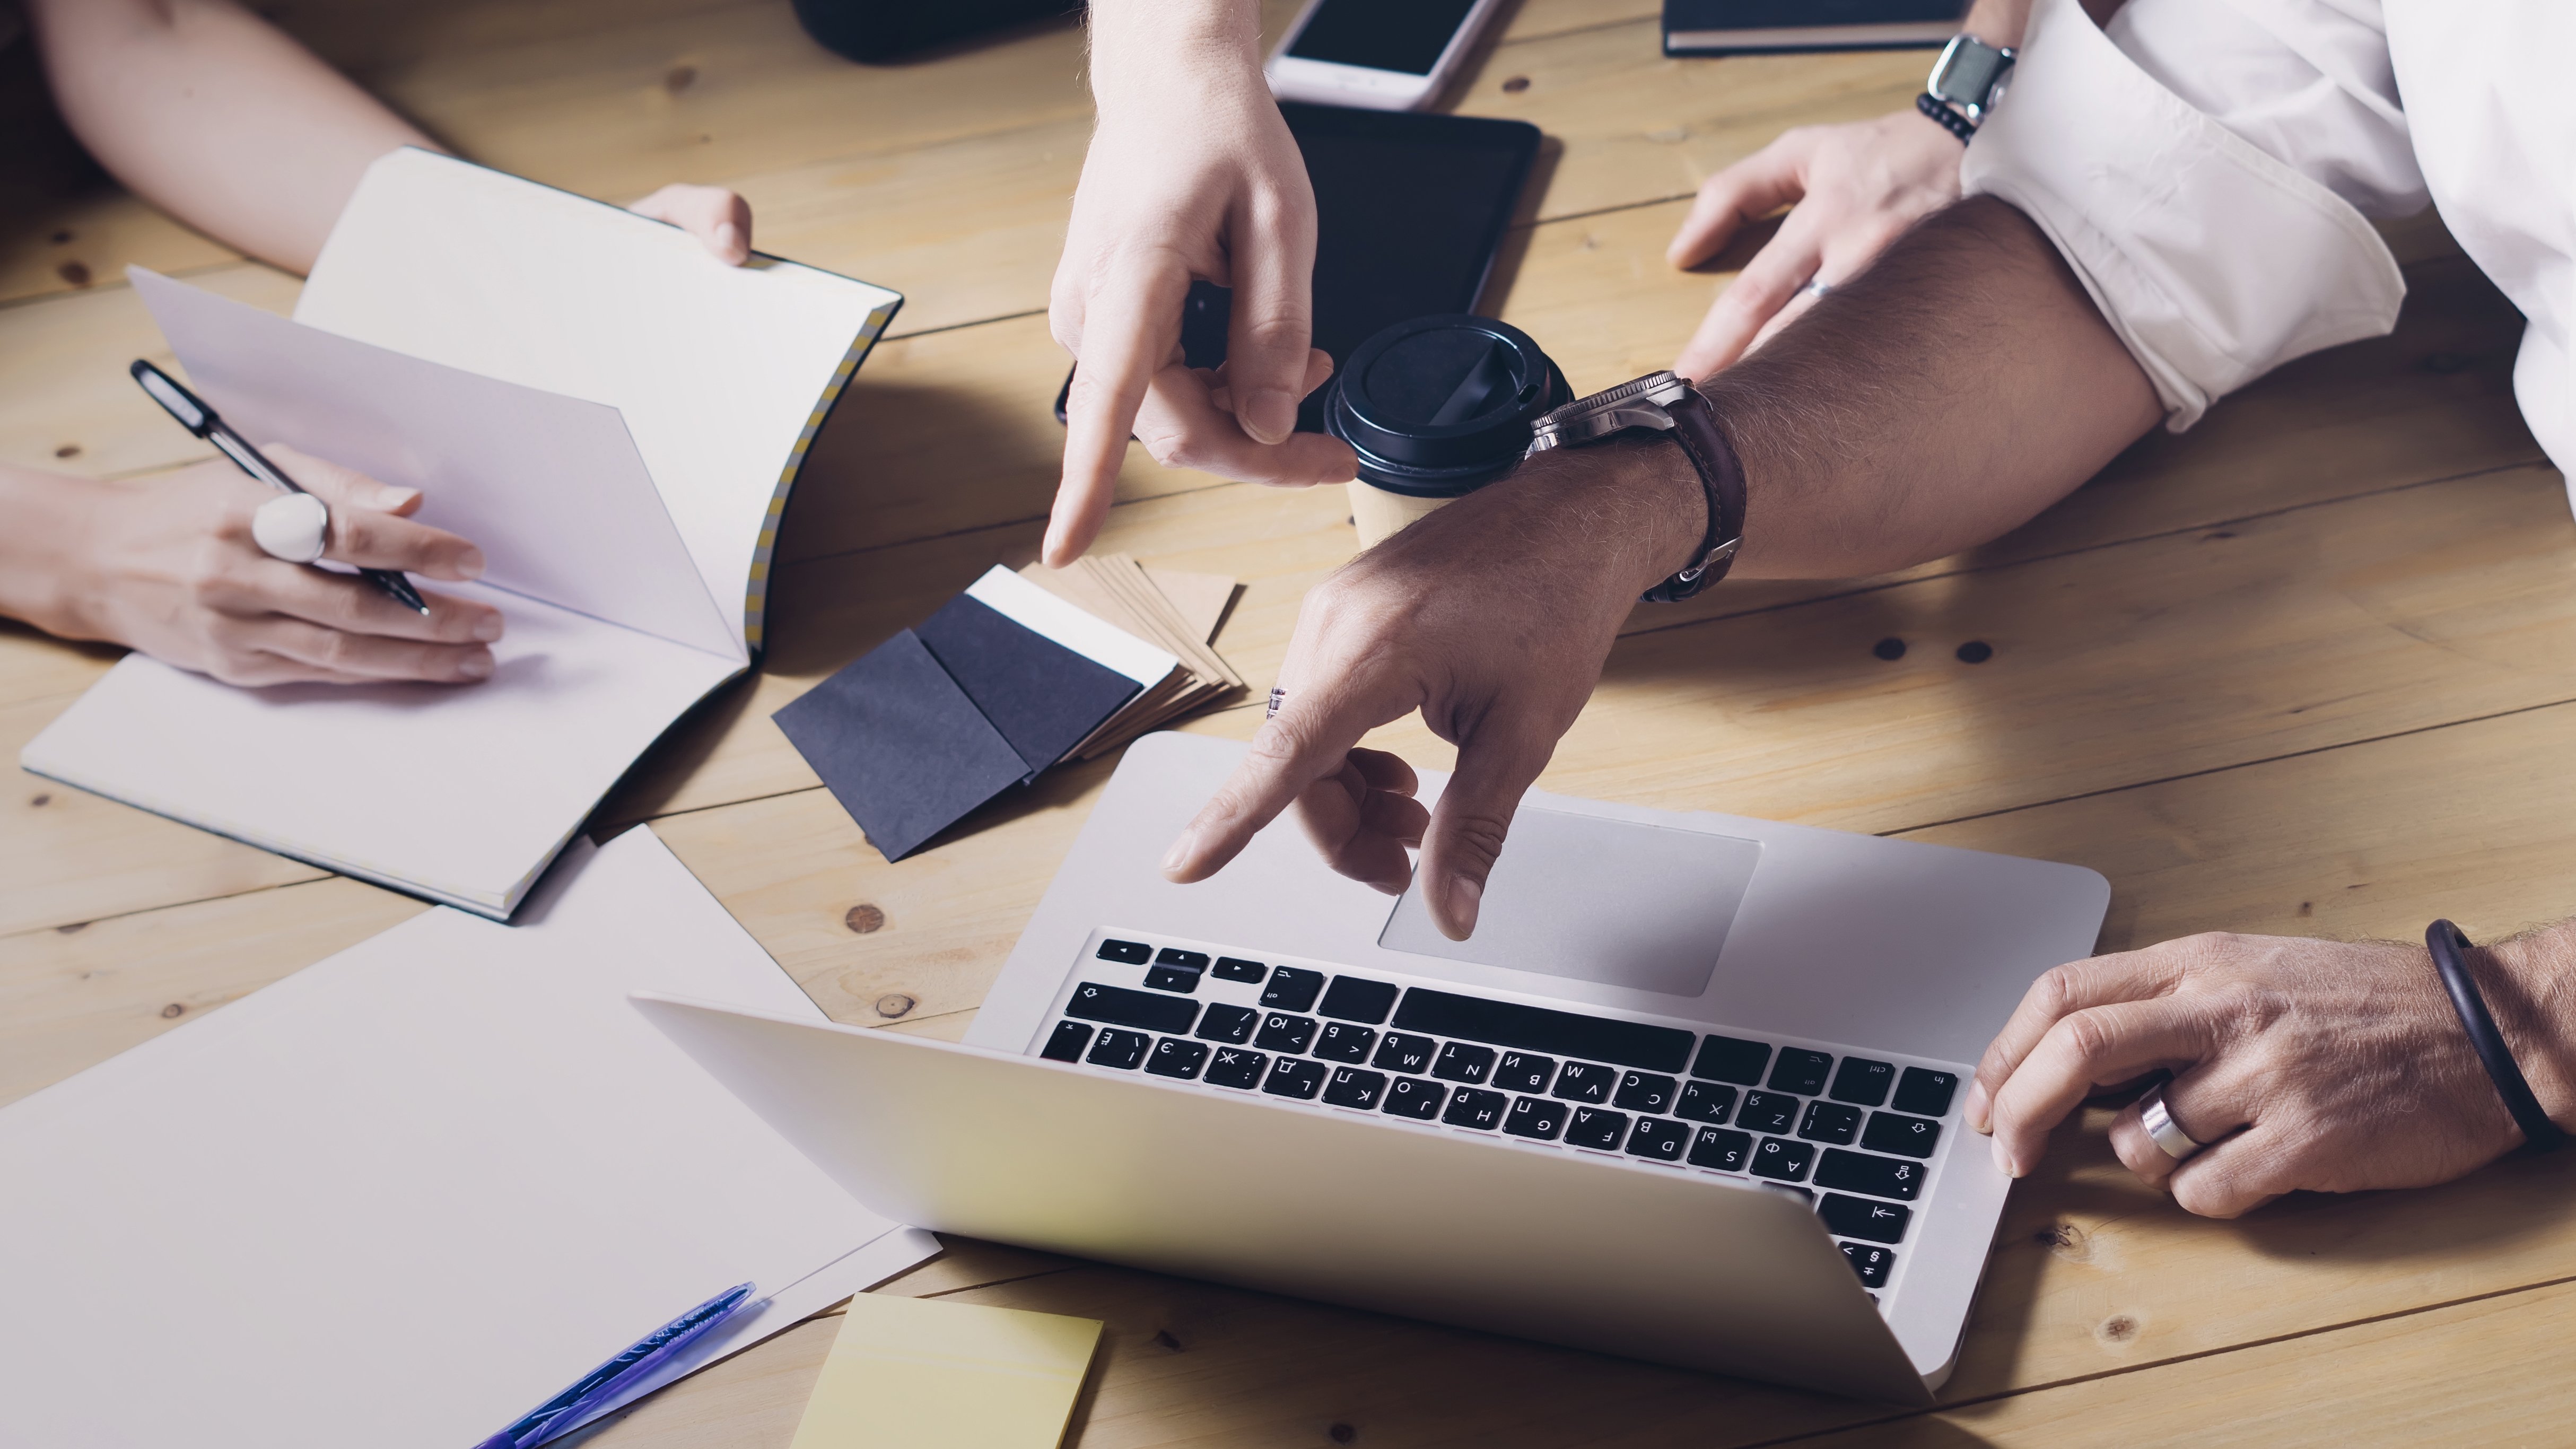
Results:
[201, 420]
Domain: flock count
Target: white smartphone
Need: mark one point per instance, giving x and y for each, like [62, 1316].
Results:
[1381, 55]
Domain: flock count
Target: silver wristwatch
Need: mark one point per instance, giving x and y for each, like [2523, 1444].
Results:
[1969, 78]
[1664, 403]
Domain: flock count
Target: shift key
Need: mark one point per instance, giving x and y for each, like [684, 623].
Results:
[1151, 1010]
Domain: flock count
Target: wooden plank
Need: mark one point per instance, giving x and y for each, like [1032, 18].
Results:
[2488, 1371]
[70, 999]
[67, 406]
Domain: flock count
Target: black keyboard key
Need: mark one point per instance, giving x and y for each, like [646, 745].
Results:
[1536, 1117]
[1878, 1176]
[1281, 1032]
[1186, 960]
[1522, 1072]
[1171, 978]
[1354, 999]
[1716, 1147]
[1351, 1087]
[1292, 988]
[1705, 1101]
[1469, 1107]
[1656, 1138]
[1174, 1057]
[1120, 1049]
[1905, 1136]
[1132, 953]
[1872, 1264]
[1403, 1053]
[1646, 1092]
[1459, 1062]
[1067, 1042]
[1926, 1092]
[1235, 968]
[1768, 1112]
[1729, 1059]
[1863, 1081]
[1238, 1068]
[1295, 1077]
[1228, 1023]
[1831, 1122]
[1119, 1006]
[1601, 1131]
[1538, 1029]
[1415, 1098]
[1800, 1071]
[1850, 1217]
[1586, 1082]
[1782, 1160]
[1343, 1042]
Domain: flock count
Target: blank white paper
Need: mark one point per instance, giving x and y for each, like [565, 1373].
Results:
[406, 1195]
[549, 487]
[723, 373]
[461, 792]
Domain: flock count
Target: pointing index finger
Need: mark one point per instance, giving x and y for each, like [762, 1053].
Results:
[1307, 740]
[1131, 325]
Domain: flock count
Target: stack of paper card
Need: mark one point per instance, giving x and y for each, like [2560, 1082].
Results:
[1012, 676]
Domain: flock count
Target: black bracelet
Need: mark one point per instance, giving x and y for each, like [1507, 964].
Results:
[1956, 124]
[2446, 942]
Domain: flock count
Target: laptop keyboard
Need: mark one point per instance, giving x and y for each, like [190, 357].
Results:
[1858, 1136]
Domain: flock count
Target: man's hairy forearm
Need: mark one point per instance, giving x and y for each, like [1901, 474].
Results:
[1957, 387]
[210, 113]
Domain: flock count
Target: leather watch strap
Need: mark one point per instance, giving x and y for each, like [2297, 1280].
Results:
[1721, 479]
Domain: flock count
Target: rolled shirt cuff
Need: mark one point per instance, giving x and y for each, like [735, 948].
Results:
[2213, 260]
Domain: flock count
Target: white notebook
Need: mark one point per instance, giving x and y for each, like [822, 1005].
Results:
[614, 416]
[407, 1194]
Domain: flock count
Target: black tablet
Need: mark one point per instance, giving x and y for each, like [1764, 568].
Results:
[1410, 210]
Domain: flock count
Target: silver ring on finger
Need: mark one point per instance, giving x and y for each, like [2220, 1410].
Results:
[1816, 287]
[2153, 1115]
[293, 527]
[1278, 697]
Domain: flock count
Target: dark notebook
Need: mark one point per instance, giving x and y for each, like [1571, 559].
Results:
[1767, 27]
[936, 721]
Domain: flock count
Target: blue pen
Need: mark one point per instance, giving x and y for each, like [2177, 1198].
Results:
[602, 1383]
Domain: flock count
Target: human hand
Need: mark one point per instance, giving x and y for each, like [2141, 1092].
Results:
[1854, 188]
[169, 567]
[1491, 616]
[1192, 175]
[719, 219]
[2315, 1065]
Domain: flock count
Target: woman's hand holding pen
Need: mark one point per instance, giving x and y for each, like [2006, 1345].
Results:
[169, 567]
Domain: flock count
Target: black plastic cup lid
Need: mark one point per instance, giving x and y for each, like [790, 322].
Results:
[1439, 406]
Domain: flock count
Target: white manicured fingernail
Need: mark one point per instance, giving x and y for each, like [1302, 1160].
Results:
[475, 666]
[388, 498]
[470, 563]
[2003, 1159]
[728, 240]
[487, 628]
[1179, 852]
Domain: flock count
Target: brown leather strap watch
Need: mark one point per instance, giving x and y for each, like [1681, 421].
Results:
[1670, 405]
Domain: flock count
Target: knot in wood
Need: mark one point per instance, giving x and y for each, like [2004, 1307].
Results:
[1342, 1433]
[174, 1009]
[1163, 1339]
[894, 1005]
[2118, 1328]
[1516, 85]
[681, 78]
[864, 919]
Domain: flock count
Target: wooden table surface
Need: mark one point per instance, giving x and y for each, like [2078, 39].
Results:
[2308, 668]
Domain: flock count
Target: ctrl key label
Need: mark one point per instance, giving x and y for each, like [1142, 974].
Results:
[909, 1372]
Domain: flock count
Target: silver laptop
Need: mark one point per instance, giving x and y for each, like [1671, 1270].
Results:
[1691, 1093]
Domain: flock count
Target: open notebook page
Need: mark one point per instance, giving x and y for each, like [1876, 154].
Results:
[458, 792]
[406, 1194]
[722, 373]
[549, 487]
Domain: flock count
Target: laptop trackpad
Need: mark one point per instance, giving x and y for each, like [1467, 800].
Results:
[1645, 907]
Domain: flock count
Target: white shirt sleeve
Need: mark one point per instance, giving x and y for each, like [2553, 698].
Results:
[2204, 168]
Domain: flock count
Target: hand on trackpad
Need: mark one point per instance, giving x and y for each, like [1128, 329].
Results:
[1646, 907]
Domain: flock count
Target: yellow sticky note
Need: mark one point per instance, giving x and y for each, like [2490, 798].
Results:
[910, 1372]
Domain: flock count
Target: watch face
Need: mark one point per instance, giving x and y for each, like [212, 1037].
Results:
[1966, 72]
